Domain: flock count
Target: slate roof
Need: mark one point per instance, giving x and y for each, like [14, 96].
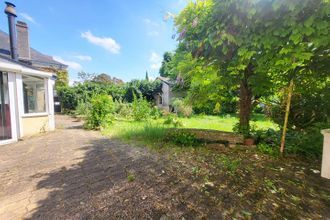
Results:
[35, 55]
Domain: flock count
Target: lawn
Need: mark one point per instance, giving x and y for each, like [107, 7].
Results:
[150, 130]
[240, 181]
[225, 123]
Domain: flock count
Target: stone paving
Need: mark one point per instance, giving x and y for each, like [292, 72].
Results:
[76, 174]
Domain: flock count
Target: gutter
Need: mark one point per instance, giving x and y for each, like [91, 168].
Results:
[9, 67]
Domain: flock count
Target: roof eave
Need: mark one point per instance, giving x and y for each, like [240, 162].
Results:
[16, 68]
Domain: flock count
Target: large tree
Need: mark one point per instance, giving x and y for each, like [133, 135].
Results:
[224, 34]
[258, 45]
[166, 67]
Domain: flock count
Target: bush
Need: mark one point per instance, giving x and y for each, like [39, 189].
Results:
[123, 109]
[156, 112]
[100, 112]
[181, 108]
[68, 98]
[82, 109]
[268, 149]
[172, 120]
[306, 143]
[306, 109]
[141, 109]
[182, 138]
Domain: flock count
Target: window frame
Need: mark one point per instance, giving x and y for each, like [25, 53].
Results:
[35, 114]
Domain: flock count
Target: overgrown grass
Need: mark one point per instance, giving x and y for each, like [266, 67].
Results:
[147, 132]
[225, 123]
[153, 131]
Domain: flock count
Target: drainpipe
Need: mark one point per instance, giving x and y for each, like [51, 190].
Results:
[11, 13]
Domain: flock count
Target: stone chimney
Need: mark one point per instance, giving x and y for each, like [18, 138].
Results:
[23, 44]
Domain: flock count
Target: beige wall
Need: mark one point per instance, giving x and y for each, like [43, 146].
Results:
[35, 125]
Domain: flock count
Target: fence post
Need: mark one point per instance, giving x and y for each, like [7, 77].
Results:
[325, 170]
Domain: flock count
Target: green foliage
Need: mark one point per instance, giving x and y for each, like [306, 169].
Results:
[106, 79]
[141, 109]
[182, 138]
[217, 108]
[257, 45]
[173, 120]
[130, 177]
[62, 78]
[308, 106]
[229, 164]
[100, 113]
[166, 69]
[268, 149]
[82, 109]
[181, 108]
[147, 132]
[123, 109]
[306, 143]
[142, 88]
[68, 97]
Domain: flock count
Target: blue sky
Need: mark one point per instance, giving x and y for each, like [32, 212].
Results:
[122, 38]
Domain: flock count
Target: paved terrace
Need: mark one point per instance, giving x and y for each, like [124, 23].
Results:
[76, 174]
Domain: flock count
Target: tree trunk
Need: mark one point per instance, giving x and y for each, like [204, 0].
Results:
[286, 118]
[245, 103]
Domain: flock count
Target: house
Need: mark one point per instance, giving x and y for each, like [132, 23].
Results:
[26, 84]
[168, 93]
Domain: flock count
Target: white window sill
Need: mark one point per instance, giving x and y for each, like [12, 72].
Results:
[30, 115]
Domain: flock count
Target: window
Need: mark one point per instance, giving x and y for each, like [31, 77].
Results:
[5, 123]
[34, 94]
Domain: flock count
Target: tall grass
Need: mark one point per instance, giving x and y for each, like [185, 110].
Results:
[149, 132]
[153, 131]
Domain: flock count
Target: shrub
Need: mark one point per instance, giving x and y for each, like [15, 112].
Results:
[141, 109]
[182, 138]
[268, 149]
[123, 109]
[67, 97]
[156, 112]
[82, 109]
[217, 108]
[100, 112]
[173, 120]
[307, 143]
[181, 108]
[306, 109]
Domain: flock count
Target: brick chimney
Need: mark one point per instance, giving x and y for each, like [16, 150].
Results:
[23, 43]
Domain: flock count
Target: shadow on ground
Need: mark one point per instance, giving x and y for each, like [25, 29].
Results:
[99, 186]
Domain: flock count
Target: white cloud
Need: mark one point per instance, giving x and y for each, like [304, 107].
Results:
[83, 57]
[153, 33]
[155, 57]
[106, 42]
[155, 66]
[73, 65]
[150, 22]
[28, 17]
[155, 60]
